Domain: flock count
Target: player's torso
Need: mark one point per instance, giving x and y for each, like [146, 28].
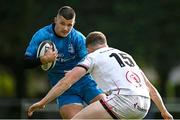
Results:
[66, 47]
[68, 55]
[115, 69]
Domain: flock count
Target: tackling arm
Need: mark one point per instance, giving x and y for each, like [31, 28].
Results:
[65, 83]
[157, 99]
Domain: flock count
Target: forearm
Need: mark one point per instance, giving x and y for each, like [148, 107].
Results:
[31, 62]
[64, 84]
[155, 96]
[157, 99]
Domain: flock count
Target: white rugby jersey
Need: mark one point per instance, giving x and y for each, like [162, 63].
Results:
[115, 69]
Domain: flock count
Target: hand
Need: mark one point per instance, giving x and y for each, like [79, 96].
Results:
[34, 107]
[167, 116]
[49, 56]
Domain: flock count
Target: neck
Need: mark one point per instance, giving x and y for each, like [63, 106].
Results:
[100, 46]
[54, 30]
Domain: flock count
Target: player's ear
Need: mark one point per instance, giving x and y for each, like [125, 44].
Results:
[55, 19]
[74, 23]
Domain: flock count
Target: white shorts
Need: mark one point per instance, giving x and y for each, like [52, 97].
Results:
[126, 106]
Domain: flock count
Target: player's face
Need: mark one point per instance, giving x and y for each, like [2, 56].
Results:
[62, 26]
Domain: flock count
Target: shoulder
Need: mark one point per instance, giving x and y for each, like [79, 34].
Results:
[45, 29]
[43, 33]
[92, 55]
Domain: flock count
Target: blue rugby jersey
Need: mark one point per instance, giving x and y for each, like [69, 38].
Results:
[71, 50]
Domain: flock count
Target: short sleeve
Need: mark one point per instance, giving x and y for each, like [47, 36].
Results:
[88, 63]
[80, 42]
[37, 38]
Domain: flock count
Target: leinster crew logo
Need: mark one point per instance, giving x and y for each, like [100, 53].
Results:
[70, 48]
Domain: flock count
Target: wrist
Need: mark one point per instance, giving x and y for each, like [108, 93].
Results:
[42, 103]
[164, 111]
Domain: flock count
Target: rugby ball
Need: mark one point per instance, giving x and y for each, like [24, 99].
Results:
[42, 49]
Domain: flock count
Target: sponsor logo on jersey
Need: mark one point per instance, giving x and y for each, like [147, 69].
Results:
[61, 58]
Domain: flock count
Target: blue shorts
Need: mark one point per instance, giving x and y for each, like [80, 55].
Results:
[79, 93]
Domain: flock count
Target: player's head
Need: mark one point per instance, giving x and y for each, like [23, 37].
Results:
[95, 40]
[64, 21]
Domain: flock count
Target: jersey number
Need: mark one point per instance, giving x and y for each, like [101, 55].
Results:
[122, 59]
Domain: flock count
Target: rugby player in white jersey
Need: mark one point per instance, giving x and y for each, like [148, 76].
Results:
[128, 91]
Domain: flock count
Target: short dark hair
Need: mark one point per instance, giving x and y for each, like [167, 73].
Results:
[95, 38]
[67, 12]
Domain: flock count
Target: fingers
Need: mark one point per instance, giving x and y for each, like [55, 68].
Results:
[50, 55]
[167, 116]
[55, 55]
[34, 107]
[30, 112]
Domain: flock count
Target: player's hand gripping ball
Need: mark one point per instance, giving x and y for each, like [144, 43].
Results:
[42, 49]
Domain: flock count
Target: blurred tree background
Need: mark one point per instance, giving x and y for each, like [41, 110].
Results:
[148, 30]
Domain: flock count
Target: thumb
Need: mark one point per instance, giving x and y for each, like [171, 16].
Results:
[33, 108]
[30, 112]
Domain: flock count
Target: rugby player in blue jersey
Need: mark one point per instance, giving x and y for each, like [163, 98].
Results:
[71, 48]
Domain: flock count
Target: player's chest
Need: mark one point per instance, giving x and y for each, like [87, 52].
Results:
[66, 50]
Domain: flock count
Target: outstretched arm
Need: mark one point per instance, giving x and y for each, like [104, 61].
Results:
[157, 99]
[70, 78]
